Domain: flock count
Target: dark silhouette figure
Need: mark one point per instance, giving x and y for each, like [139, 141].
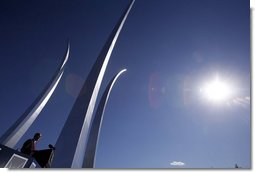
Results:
[29, 146]
[43, 157]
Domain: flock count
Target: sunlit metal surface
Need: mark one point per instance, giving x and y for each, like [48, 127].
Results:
[96, 124]
[72, 141]
[11, 137]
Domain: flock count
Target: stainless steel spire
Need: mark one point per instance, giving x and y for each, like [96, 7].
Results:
[89, 160]
[72, 141]
[11, 137]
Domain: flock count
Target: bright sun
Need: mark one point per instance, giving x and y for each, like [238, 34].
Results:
[217, 90]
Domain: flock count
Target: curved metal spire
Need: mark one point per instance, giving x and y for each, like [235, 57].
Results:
[72, 141]
[96, 124]
[11, 137]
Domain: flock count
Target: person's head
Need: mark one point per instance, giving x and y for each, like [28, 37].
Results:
[37, 136]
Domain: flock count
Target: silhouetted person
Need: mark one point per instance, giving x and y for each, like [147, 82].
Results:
[29, 146]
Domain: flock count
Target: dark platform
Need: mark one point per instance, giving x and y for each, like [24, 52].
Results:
[13, 159]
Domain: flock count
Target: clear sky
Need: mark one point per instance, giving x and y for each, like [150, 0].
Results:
[185, 98]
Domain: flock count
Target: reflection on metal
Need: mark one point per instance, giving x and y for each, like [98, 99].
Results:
[96, 124]
[71, 143]
[11, 137]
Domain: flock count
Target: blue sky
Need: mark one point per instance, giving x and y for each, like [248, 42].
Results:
[156, 114]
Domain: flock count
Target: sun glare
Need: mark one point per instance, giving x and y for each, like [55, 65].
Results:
[217, 90]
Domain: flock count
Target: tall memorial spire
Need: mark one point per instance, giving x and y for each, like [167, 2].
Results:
[12, 136]
[89, 161]
[72, 141]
